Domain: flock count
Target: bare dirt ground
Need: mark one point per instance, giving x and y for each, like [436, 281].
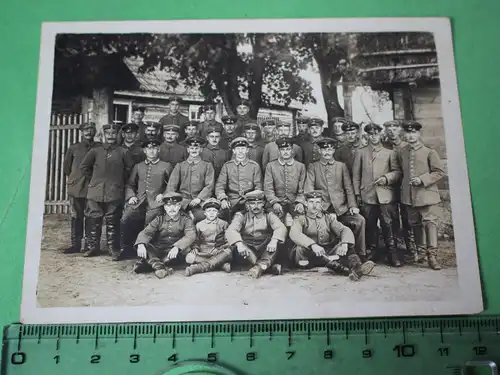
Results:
[74, 281]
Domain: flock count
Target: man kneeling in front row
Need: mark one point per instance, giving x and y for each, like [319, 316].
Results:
[321, 240]
[166, 240]
[256, 235]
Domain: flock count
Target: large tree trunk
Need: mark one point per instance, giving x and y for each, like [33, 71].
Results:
[256, 75]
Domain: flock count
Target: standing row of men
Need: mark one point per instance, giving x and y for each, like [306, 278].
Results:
[384, 181]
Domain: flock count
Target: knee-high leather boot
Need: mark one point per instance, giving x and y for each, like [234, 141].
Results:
[76, 236]
[432, 245]
[112, 237]
[94, 236]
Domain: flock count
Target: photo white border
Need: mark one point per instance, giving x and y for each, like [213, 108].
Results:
[470, 301]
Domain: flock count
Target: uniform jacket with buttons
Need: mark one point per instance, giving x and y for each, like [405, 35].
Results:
[284, 182]
[173, 153]
[371, 163]
[165, 232]
[346, 154]
[215, 155]
[141, 134]
[236, 179]
[211, 236]
[398, 144]
[311, 151]
[192, 179]
[423, 162]
[147, 180]
[136, 152]
[333, 179]
[322, 229]
[255, 230]
[271, 153]
[77, 181]
[255, 153]
[109, 167]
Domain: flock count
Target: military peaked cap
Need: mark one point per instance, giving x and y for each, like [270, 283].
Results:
[172, 197]
[153, 124]
[255, 195]
[251, 126]
[325, 142]
[239, 141]
[372, 128]
[412, 125]
[88, 125]
[214, 128]
[393, 123]
[316, 122]
[211, 202]
[151, 143]
[350, 125]
[314, 194]
[111, 127]
[132, 127]
[171, 127]
[195, 141]
[303, 120]
[284, 142]
[228, 119]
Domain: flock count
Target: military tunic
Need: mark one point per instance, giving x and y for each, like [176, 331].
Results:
[135, 151]
[164, 233]
[255, 153]
[192, 179]
[173, 153]
[241, 121]
[226, 140]
[284, 182]
[321, 229]
[311, 151]
[332, 178]
[109, 167]
[271, 153]
[346, 155]
[379, 202]
[236, 179]
[256, 231]
[77, 182]
[215, 155]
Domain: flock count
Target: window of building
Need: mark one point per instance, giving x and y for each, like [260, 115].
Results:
[120, 113]
[194, 113]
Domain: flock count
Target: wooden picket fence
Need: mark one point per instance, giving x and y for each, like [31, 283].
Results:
[63, 132]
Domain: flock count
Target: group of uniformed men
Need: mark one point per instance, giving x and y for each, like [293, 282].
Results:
[209, 194]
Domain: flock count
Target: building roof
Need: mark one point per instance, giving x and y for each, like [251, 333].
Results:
[390, 58]
[164, 82]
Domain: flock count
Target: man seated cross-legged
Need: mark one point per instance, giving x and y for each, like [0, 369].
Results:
[166, 240]
[256, 235]
[321, 240]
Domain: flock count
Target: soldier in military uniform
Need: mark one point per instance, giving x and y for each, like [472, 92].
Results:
[284, 183]
[373, 184]
[77, 184]
[209, 121]
[394, 141]
[271, 151]
[302, 130]
[421, 170]
[256, 235]
[212, 152]
[229, 124]
[171, 151]
[166, 240]
[242, 116]
[333, 179]
[193, 178]
[152, 131]
[251, 132]
[191, 129]
[174, 117]
[130, 142]
[211, 250]
[138, 113]
[237, 177]
[321, 240]
[268, 131]
[108, 166]
[309, 146]
[347, 152]
[337, 133]
[143, 194]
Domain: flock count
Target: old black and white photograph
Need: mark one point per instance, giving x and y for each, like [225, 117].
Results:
[248, 169]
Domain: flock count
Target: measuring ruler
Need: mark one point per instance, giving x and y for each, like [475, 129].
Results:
[433, 346]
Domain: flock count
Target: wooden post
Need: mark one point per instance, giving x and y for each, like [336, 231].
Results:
[102, 112]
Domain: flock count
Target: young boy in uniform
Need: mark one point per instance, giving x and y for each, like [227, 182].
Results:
[211, 250]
